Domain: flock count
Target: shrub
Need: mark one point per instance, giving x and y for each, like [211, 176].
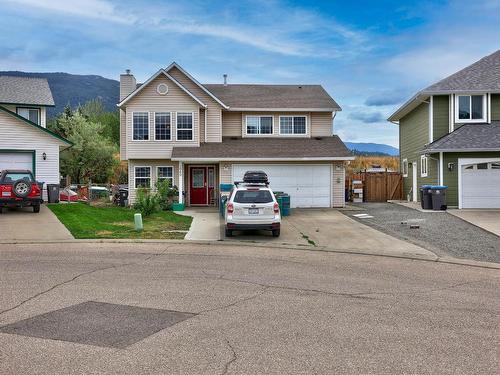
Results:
[146, 203]
[166, 194]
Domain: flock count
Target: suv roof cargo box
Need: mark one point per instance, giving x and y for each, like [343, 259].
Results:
[255, 177]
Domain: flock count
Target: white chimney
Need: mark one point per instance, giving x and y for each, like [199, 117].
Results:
[225, 79]
[127, 84]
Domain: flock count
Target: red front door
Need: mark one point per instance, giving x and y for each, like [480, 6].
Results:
[198, 189]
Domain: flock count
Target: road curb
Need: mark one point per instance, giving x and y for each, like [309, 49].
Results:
[407, 256]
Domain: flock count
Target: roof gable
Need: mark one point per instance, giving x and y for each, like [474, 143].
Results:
[41, 128]
[151, 79]
[25, 90]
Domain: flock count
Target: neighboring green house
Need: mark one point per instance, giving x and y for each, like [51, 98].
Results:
[449, 134]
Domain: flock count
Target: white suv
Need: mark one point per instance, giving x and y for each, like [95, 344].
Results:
[252, 207]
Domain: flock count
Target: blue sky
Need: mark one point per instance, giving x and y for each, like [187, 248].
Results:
[369, 57]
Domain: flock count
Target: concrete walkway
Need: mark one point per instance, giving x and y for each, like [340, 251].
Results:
[486, 219]
[23, 224]
[205, 225]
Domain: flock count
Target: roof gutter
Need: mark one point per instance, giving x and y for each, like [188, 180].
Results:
[214, 160]
[243, 109]
[433, 151]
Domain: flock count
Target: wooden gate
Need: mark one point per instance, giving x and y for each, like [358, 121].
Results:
[379, 186]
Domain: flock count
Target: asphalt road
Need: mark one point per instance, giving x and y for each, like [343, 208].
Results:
[241, 310]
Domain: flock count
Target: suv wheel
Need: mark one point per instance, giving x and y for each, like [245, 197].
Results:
[1, 209]
[229, 233]
[21, 188]
[276, 232]
[36, 208]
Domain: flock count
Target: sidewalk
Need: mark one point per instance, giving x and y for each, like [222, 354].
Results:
[205, 225]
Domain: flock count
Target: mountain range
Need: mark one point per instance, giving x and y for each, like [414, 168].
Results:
[74, 89]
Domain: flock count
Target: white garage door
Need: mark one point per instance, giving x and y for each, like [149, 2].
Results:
[481, 185]
[308, 185]
[16, 160]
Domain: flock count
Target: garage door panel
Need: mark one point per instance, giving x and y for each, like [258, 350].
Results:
[308, 185]
[16, 160]
[480, 188]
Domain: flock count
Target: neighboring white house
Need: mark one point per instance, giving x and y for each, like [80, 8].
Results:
[25, 142]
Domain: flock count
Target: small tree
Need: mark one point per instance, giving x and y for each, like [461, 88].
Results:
[166, 194]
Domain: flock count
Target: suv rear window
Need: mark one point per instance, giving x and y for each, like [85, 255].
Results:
[253, 196]
[11, 177]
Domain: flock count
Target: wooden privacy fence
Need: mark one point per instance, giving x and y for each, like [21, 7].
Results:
[378, 186]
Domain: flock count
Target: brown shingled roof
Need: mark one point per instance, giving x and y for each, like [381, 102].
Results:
[266, 148]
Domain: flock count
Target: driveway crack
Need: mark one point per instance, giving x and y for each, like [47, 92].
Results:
[232, 360]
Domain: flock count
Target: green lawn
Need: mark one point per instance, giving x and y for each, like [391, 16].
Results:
[84, 221]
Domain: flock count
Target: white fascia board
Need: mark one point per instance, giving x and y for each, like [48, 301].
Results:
[174, 64]
[332, 158]
[161, 71]
[244, 109]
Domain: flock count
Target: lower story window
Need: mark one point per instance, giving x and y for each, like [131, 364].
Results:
[142, 177]
[184, 126]
[404, 167]
[423, 166]
[166, 173]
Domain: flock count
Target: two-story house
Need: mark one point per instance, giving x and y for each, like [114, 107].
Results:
[200, 135]
[449, 134]
[25, 142]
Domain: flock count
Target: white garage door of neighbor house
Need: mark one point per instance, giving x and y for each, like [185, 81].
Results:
[307, 185]
[16, 160]
[481, 185]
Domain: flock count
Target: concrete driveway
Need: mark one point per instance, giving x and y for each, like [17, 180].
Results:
[487, 219]
[329, 228]
[117, 308]
[23, 224]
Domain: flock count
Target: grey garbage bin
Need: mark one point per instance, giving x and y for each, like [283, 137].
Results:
[53, 193]
[426, 197]
[439, 197]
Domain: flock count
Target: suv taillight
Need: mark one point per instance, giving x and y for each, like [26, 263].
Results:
[230, 208]
[276, 208]
[35, 189]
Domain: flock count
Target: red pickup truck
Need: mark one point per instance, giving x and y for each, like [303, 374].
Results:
[18, 188]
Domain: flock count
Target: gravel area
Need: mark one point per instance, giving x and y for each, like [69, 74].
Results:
[441, 233]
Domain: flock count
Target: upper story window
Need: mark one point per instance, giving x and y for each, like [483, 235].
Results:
[162, 126]
[32, 114]
[293, 125]
[470, 108]
[259, 124]
[140, 125]
[184, 126]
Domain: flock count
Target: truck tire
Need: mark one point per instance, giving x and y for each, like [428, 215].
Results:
[229, 233]
[276, 233]
[21, 188]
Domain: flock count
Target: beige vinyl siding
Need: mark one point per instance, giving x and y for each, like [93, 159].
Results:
[148, 100]
[127, 85]
[495, 107]
[123, 135]
[214, 114]
[338, 176]
[441, 122]
[202, 125]
[321, 124]
[149, 163]
[231, 124]
[17, 135]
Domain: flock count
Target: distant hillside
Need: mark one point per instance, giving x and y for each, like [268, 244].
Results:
[76, 89]
[372, 148]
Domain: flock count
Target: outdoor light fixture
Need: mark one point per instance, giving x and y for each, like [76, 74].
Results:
[44, 156]
[451, 166]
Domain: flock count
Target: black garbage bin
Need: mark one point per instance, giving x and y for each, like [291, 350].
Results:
[40, 186]
[123, 197]
[426, 197]
[439, 197]
[53, 193]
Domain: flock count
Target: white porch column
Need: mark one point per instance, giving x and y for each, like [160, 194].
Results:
[441, 170]
[181, 182]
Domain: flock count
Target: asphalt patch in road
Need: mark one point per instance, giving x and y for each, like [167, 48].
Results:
[98, 324]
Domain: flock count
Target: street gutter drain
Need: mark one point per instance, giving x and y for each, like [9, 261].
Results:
[98, 324]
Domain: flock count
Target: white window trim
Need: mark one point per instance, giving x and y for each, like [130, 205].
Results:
[165, 178]
[177, 127]
[405, 161]
[259, 134]
[424, 160]
[293, 124]
[465, 121]
[150, 175]
[31, 108]
[171, 125]
[149, 127]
